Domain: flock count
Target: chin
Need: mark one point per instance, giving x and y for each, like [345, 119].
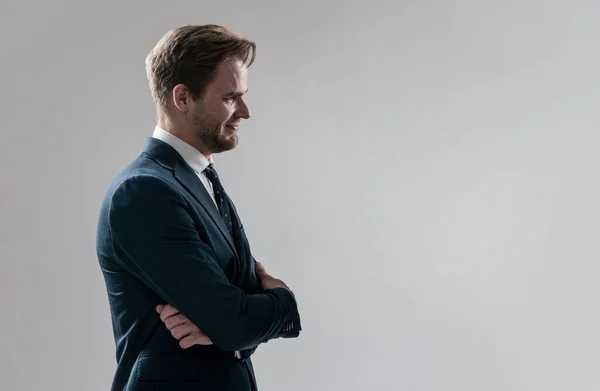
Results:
[231, 139]
[227, 144]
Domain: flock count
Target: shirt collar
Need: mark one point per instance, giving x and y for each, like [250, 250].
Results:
[191, 155]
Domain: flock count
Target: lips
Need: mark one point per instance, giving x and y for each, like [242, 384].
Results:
[233, 126]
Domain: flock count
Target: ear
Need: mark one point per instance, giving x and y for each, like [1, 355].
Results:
[182, 98]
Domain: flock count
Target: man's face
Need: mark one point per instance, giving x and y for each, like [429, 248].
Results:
[219, 112]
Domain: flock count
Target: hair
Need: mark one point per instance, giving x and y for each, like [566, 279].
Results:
[191, 55]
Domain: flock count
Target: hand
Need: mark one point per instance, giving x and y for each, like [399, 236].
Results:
[182, 329]
[269, 282]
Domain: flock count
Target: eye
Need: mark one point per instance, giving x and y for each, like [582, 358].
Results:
[229, 99]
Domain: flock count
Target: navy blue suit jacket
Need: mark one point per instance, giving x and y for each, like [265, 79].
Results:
[161, 239]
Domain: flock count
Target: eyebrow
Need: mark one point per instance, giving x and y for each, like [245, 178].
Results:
[236, 93]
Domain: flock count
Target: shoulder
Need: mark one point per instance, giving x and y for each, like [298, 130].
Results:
[143, 177]
[142, 184]
[142, 187]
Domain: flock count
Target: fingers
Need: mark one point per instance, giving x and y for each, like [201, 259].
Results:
[196, 338]
[187, 333]
[166, 311]
[183, 330]
[175, 320]
[187, 342]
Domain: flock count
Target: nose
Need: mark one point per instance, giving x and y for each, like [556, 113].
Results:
[243, 109]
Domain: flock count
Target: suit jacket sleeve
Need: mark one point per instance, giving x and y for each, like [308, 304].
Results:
[155, 239]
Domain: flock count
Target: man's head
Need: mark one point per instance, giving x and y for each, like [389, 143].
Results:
[198, 77]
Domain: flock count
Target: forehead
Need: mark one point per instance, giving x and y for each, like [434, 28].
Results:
[232, 76]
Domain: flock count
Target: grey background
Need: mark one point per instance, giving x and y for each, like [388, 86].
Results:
[423, 175]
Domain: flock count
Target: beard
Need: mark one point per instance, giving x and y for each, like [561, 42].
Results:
[210, 131]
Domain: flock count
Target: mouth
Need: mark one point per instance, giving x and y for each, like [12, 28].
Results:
[233, 126]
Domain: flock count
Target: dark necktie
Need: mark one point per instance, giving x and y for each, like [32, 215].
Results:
[223, 205]
[220, 197]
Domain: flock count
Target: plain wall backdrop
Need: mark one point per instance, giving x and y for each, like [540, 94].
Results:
[423, 174]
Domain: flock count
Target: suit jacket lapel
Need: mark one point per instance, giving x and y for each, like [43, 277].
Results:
[168, 157]
[188, 178]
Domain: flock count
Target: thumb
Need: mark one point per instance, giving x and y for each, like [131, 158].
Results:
[260, 270]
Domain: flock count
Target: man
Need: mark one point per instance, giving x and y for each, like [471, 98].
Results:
[189, 303]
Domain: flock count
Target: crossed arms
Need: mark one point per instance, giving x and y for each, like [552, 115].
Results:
[155, 239]
[187, 333]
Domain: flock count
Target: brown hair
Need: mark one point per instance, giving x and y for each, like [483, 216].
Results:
[191, 55]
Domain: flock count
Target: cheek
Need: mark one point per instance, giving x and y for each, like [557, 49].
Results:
[227, 111]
